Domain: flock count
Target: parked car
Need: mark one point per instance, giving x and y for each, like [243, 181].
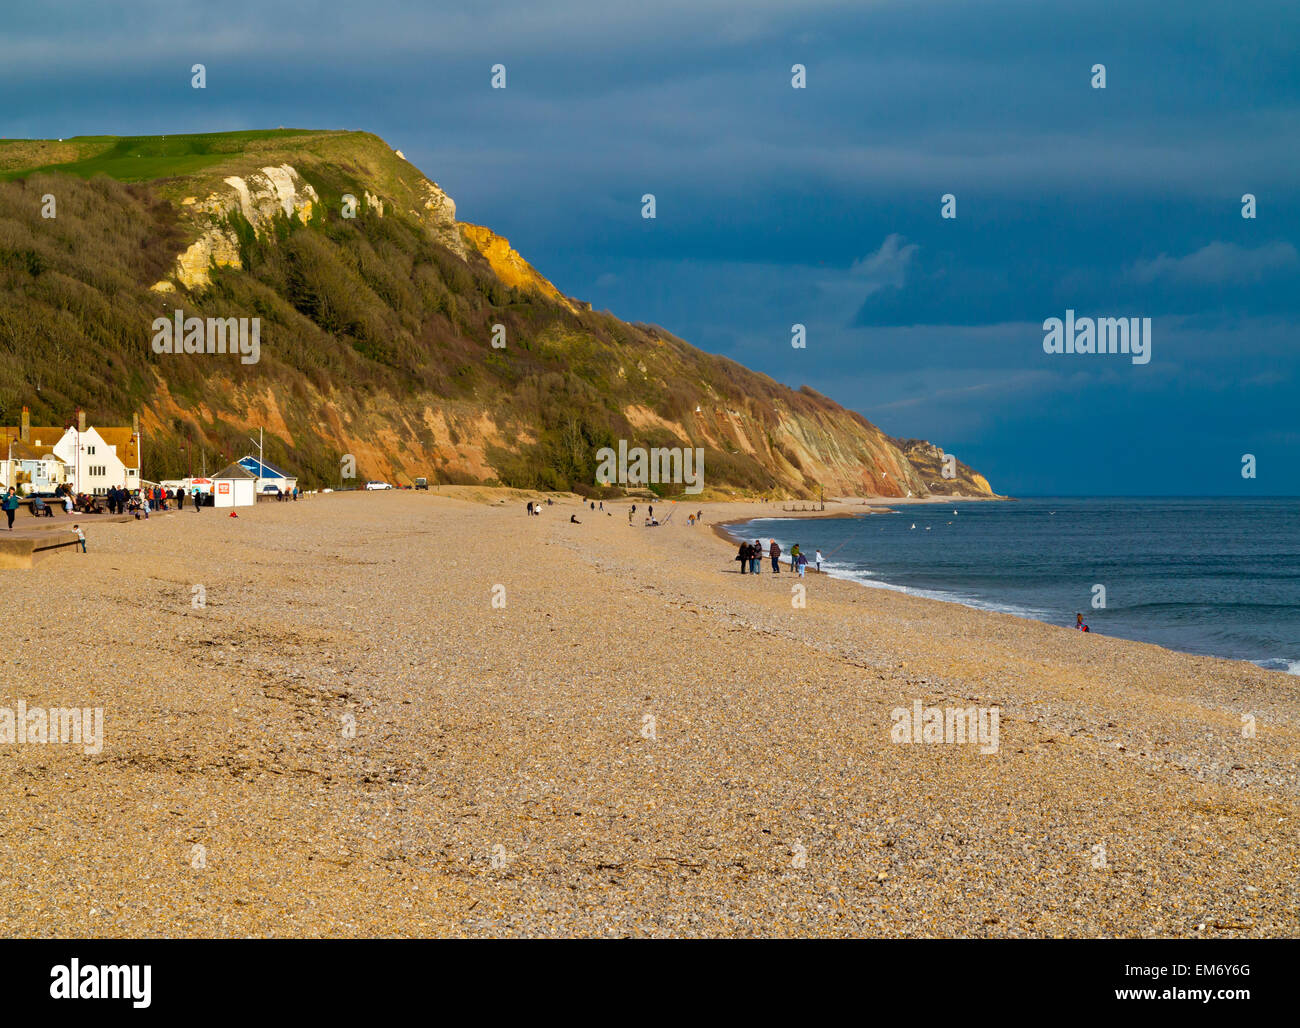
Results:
[422, 483]
[377, 485]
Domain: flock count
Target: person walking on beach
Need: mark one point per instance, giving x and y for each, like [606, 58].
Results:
[756, 557]
[802, 561]
[774, 551]
[794, 557]
[81, 537]
[819, 561]
[10, 506]
[743, 557]
[198, 500]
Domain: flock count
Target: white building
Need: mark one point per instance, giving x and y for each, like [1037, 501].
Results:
[234, 486]
[95, 458]
[100, 458]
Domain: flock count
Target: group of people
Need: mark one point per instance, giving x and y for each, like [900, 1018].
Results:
[82, 503]
[134, 501]
[652, 522]
[750, 557]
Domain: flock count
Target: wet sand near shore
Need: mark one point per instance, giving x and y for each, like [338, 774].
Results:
[348, 738]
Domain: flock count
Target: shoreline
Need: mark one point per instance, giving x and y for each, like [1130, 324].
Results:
[720, 530]
[720, 527]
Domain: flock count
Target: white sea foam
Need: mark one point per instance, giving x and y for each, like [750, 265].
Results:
[866, 577]
[1283, 664]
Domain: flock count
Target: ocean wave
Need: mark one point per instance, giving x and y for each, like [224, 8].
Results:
[1284, 664]
[867, 578]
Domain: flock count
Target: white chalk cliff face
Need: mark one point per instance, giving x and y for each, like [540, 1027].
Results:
[270, 192]
[273, 191]
[439, 217]
[260, 198]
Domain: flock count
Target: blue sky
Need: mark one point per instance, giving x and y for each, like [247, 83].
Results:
[820, 206]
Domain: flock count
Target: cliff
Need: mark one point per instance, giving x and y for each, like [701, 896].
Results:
[930, 464]
[390, 332]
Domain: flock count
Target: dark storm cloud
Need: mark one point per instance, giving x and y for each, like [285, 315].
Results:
[819, 206]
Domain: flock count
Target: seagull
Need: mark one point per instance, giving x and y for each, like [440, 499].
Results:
[954, 510]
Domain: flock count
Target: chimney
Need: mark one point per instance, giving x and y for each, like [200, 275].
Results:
[81, 420]
[135, 423]
[25, 431]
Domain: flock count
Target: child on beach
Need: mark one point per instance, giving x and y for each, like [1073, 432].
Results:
[81, 537]
[1078, 623]
[802, 562]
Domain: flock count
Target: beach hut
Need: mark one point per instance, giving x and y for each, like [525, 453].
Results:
[234, 486]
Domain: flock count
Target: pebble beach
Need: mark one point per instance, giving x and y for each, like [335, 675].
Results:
[428, 714]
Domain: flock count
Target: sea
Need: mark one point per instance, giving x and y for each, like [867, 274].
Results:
[1212, 576]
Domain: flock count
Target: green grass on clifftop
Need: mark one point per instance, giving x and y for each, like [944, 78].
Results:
[133, 158]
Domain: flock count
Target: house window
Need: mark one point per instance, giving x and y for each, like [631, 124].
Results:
[90, 450]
